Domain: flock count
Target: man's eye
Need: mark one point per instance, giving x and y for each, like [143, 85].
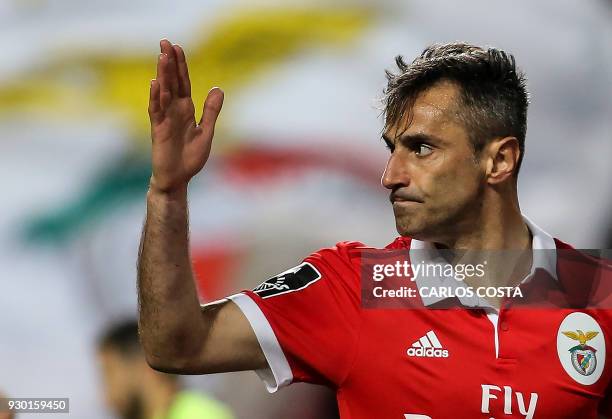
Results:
[422, 150]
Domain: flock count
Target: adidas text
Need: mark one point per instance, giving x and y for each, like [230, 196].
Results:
[428, 352]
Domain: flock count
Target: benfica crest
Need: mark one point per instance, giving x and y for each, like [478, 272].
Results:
[583, 356]
[584, 339]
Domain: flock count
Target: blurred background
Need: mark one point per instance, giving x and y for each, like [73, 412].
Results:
[295, 166]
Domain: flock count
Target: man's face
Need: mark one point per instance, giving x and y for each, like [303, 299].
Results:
[121, 379]
[436, 182]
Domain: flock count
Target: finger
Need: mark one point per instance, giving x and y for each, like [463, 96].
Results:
[163, 58]
[171, 69]
[154, 103]
[160, 71]
[212, 107]
[165, 94]
[184, 83]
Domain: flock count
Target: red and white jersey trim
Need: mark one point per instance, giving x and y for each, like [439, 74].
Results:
[278, 374]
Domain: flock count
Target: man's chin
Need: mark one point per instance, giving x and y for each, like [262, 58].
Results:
[409, 230]
[416, 228]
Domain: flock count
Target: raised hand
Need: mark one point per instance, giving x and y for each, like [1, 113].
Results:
[180, 145]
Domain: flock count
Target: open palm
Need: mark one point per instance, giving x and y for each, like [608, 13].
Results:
[180, 145]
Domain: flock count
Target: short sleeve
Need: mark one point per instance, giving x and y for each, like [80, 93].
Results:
[307, 318]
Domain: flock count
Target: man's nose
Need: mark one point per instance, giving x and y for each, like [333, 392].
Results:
[395, 174]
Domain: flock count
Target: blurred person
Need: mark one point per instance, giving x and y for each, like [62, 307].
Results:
[455, 127]
[5, 414]
[133, 390]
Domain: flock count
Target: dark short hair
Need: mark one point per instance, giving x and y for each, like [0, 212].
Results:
[494, 97]
[123, 338]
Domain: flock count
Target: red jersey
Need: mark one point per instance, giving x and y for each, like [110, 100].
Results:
[432, 362]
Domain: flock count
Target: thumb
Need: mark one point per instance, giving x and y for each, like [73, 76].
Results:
[212, 107]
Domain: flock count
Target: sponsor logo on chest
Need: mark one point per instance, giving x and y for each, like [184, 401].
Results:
[513, 400]
[428, 346]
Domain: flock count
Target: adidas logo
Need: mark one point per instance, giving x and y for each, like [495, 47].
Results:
[427, 346]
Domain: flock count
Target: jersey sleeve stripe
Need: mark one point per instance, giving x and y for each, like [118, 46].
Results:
[278, 374]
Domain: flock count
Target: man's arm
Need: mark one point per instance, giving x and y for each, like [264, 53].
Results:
[176, 333]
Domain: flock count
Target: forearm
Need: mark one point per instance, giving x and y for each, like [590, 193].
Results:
[171, 324]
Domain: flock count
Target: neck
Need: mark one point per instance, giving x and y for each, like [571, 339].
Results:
[497, 225]
[500, 231]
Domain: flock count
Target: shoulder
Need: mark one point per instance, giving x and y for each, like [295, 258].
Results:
[585, 274]
[348, 253]
[338, 264]
[586, 260]
[342, 253]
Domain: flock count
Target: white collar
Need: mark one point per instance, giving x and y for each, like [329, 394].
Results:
[540, 260]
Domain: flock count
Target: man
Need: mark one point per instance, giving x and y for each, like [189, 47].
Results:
[134, 391]
[455, 123]
[5, 413]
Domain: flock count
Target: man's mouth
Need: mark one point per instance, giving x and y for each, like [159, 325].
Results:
[399, 199]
